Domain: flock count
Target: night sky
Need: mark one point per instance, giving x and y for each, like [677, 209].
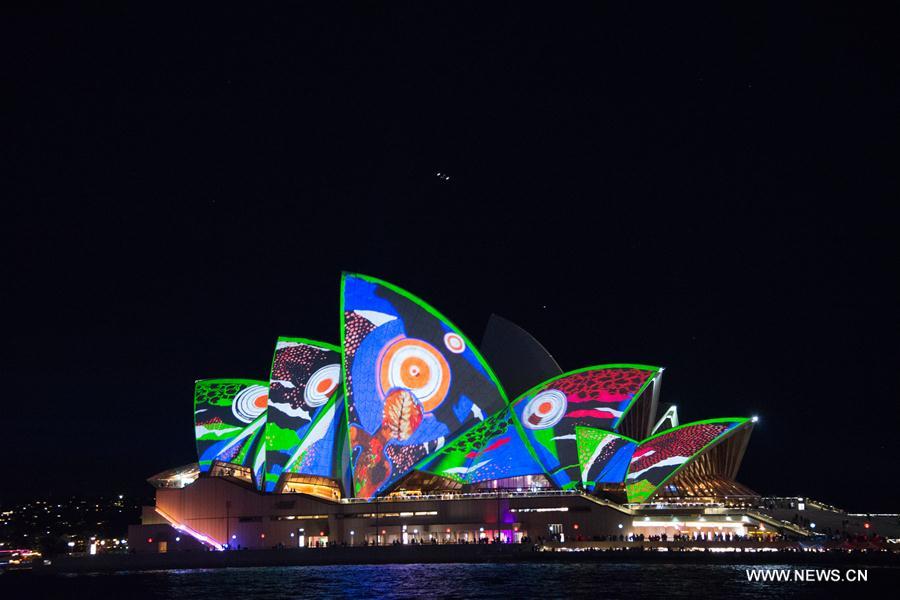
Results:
[706, 191]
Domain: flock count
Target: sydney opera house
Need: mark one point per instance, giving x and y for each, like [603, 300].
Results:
[405, 432]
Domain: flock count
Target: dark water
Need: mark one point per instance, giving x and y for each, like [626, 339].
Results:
[508, 581]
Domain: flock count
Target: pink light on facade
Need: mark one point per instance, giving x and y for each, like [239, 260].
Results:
[203, 539]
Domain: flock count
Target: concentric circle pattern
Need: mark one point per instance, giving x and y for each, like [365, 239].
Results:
[419, 367]
[321, 385]
[250, 402]
[545, 410]
[454, 342]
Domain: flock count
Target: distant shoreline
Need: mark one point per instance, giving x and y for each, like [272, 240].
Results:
[510, 553]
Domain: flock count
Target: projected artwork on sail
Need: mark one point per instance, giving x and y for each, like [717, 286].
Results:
[594, 397]
[413, 382]
[493, 449]
[229, 420]
[658, 457]
[603, 456]
[304, 401]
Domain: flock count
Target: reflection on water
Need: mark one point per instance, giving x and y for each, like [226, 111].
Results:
[515, 581]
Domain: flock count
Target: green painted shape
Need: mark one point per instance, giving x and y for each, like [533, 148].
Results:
[220, 392]
[586, 441]
[640, 490]
[545, 438]
[280, 438]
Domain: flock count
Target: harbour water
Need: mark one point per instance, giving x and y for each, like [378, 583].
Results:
[508, 581]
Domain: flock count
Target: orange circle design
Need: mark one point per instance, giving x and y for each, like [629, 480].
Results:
[416, 371]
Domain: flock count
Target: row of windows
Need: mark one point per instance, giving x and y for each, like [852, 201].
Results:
[420, 513]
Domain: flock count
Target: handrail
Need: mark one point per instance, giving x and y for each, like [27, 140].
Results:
[495, 495]
[609, 504]
[779, 523]
[464, 496]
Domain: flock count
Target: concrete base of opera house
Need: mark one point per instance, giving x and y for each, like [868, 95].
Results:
[750, 553]
[216, 511]
[212, 513]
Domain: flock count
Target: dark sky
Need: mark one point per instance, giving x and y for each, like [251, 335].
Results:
[703, 190]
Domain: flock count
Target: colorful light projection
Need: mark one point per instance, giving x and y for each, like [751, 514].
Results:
[304, 398]
[229, 420]
[595, 397]
[490, 450]
[413, 381]
[603, 456]
[420, 396]
[659, 457]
